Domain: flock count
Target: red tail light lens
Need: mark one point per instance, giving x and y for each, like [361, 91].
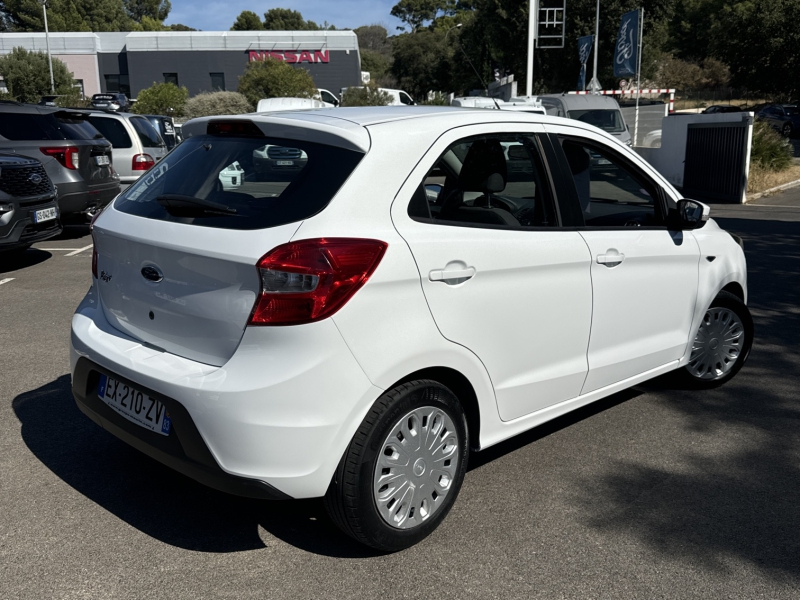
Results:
[68, 157]
[309, 280]
[142, 162]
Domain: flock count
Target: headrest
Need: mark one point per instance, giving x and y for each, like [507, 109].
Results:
[484, 158]
[577, 157]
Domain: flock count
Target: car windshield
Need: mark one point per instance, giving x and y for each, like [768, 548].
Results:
[607, 119]
[266, 182]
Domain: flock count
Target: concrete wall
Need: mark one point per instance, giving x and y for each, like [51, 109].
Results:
[83, 66]
[669, 159]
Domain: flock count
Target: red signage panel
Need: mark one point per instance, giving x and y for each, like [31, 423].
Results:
[292, 56]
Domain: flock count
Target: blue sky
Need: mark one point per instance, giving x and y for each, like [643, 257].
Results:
[219, 15]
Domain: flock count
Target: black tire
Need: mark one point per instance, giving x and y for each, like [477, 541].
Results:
[350, 500]
[786, 130]
[735, 305]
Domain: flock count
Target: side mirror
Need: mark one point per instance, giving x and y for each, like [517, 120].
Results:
[432, 192]
[335, 103]
[692, 214]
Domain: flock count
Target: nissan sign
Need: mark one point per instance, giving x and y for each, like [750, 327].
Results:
[292, 56]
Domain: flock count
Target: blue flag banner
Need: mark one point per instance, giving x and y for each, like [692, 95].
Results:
[626, 53]
[584, 49]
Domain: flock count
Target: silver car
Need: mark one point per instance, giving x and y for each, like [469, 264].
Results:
[137, 146]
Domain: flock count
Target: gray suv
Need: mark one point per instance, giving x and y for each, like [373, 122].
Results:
[28, 206]
[74, 154]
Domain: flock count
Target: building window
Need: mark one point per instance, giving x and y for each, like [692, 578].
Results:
[217, 82]
[171, 78]
[118, 83]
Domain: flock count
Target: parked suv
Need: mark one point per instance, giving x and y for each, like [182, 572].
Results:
[430, 283]
[74, 154]
[784, 118]
[136, 144]
[28, 206]
[111, 101]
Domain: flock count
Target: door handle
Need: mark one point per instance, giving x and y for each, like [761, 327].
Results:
[611, 259]
[451, 274]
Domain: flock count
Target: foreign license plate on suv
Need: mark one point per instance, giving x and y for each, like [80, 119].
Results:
[285, 163]
[102, 160]
[46, 214]
[134, 405]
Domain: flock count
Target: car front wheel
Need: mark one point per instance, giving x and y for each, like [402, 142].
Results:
[722, 343]
[786, 130]
[403, 469]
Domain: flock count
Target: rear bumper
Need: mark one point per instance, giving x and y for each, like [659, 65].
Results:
[78, 197]
[277, 416]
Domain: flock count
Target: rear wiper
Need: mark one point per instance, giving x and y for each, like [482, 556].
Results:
[180, 205]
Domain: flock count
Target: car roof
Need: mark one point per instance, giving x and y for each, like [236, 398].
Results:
[348, 127]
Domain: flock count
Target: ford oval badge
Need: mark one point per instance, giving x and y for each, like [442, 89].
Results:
[152, 273]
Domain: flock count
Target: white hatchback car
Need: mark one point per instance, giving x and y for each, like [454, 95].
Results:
[408, 296]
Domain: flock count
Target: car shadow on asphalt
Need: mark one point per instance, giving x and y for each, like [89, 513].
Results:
[157, 500]
[733, 492]
[73, 231]
[23, 260]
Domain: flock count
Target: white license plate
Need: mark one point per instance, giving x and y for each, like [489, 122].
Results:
[46, 214]
[285, 163]
[102, 160]
[134, 405]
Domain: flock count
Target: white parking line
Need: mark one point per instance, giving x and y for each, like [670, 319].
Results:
[2, 281]
[79, 250]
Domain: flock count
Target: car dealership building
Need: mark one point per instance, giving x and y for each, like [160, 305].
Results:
[202, 61]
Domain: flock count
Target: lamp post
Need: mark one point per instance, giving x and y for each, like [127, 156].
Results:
[47, 38]
[456, 26]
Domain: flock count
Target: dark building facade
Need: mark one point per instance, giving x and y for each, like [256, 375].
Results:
[202, 61]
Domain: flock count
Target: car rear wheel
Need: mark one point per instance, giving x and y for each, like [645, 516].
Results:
[403, 469]
[722, 343]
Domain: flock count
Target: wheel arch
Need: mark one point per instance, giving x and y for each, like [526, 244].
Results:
[735, 288]
[458, 383]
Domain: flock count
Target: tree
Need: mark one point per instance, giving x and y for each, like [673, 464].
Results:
[286, 19]
[68, 15]
[374, 38]
[247, 21]
[273, 78]
[417, 12]
[422, 62]
[217, 103]
[155, 9]
[368, 95]
[161, 99]
[27, 75]
[374, 63]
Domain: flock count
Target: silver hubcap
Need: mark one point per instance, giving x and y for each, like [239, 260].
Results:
[718, 344]
[416, 467]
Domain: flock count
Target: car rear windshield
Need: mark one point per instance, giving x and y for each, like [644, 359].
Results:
[267, 182]
[113, 130]
[47, 126]
[607, 119]
[147, 133]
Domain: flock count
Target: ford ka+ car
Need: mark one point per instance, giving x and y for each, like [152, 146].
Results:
[433, 281]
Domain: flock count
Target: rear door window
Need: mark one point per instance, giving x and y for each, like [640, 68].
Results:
[147, 133]
[113, 131]
[255, 182]
[48, 126]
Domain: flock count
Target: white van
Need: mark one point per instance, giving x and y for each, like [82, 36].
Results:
[594, 109]
[398, 97]
[527, 105]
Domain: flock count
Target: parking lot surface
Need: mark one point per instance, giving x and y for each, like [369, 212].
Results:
[651, 493]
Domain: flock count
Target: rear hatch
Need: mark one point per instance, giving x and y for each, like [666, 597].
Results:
[94, 151]
[177, 252]
[151, 140]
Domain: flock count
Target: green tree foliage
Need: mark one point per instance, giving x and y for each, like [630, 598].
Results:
[247, 21]
[68, 15]
[374, 63]
[155, 9]
[162, 99]
[683, 75]
[272, 78]
[286, 19]
[422, 62]
[760, 39]
[368, 95]
[27, 75]
[770, 151]
[217, 103]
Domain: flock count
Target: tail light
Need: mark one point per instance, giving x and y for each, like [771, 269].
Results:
[68, 157]
[142, 162]
[309, 280]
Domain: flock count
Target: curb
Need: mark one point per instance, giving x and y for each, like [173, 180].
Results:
[777, 188]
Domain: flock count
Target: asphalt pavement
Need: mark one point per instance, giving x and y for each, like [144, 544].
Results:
[655, 492]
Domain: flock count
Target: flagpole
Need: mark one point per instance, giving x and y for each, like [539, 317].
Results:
[638, 78]
[533, 17]
[594, 84]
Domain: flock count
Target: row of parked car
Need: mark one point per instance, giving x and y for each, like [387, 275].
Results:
[61, 164]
